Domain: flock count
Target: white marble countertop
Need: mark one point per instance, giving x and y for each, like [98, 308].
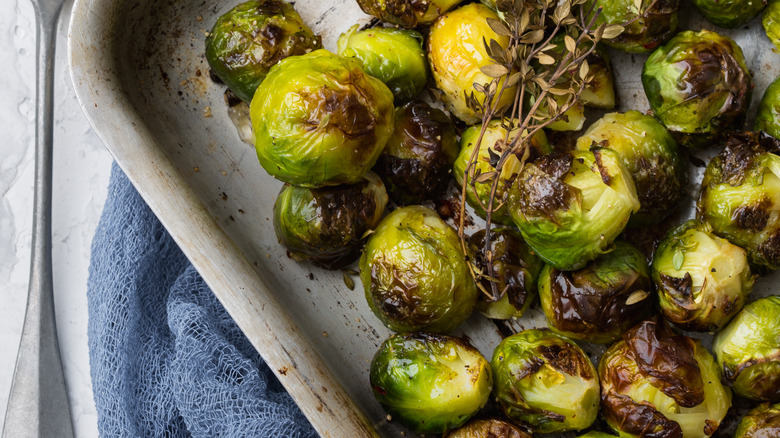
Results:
[81, 172]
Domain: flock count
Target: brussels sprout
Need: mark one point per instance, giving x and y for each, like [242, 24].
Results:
[650, 154]
[415, 164]
[319, 120]
[655, 383]
[546, 381]
[570, 207]
[761, 422]
[431, 383]
[729, 13]
[414, 273]
[456, 52]
[698, 85]
[771, 23]
[393, 55]
[599, 302]
[740, 196]
[702, 280]
[768, 117]
[407, 13]
[250, 38]
[643, 33]
[492, 428]
[515, 269]
[492, 146]
[748, 349]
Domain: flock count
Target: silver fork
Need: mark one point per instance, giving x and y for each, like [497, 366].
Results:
[38, 403]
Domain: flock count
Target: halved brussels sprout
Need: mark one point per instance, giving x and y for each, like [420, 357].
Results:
[492, 428]
[416, 162]
[599, 302]
[393, 55]
[699, 86]
[643, 33]
[761, 422]
[456, 52]
[748, 349]
[771, 23]
[327, 225]
[702, 280]
[407, 13]
[740, 196]
[515, 269]
[729, 13]
[570, 207]
[492, 146]
[414, 273]
[546, 381]
[249, 39]
[655, 383]
[768, 117]
[432, 383]
[319, 120]
[650, 154]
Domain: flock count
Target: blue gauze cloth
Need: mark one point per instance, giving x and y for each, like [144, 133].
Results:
[166, 359]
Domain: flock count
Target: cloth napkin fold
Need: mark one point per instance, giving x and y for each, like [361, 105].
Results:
[166, 359]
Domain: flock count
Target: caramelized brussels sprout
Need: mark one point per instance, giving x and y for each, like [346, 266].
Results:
[319, 120]
[761, 422]
[771, 23]
[546, 381]
[655, 383]
[699, 86]
[327, 225]
[415, 164]
[729, 13]
[748, 350]
[515, 269]
[431, 383]
[492, 428]
[768, 117]
[414, 273]
[393, 55]
[644, 32]
[456, 52]
[599, 302]
[492, 146]
[570, 207]
[250, 38]
[702, 280]
[740, 196]
[407, 13]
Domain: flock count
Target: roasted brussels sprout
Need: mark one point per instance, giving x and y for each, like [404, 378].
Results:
[570, 207]
[414, 273]
[407, 13]
[768, 117]
[748, 349]
[515, 270]
[644, 32]
[650, 154]
[702, 280]
[431, 383]
[393, 55]
[771, 23]
[327, 225]
[250, 38]
[546, 381]
[729, 13]
[761, 422]
[599, 302]
[319, 120]
[655, 383]
[492, 146]
[699, 86]
[456, 52]
[492, 428]
[740, 196]
[415, 164]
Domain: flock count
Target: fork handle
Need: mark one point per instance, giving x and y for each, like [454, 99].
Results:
[38, 403]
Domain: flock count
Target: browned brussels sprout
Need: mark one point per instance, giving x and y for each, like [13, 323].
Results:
[729, 13]
[649, 23]
[599, 302]
[771, 23]
[250, 38]
[655, 383]
[492, 428]
[407, 13]
[761, 422]
[699, 86]
[415, 164]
